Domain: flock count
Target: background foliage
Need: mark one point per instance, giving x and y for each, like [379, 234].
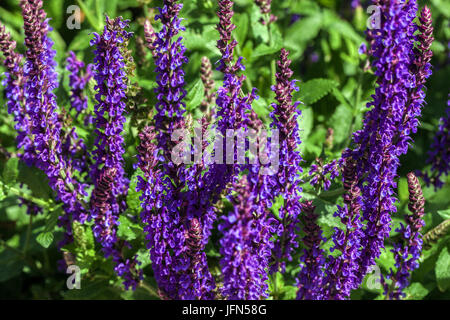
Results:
[323, 37]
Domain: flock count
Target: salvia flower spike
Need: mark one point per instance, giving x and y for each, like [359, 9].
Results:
[407, 251]
[286, 182]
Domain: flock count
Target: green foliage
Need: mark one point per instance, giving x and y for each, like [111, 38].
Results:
[443, 270]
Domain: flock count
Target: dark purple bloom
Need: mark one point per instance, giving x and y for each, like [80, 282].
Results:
[286, 181]
[105, 229]
[342, 269]
[264, 6]
[324, 174]
[244, 248]
[209, 84]
[407, 251]
[312, 261]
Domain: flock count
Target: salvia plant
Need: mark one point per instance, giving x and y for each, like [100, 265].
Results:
[225, 150]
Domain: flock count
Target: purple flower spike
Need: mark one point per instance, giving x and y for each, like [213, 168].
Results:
[342, 270]
[388, 126]
[45, 127]
[178, 223]
[14, 82]
[310, 278]
[244, 255]
[407, 252]
[105, 229]
[109, 110]
[286, 182]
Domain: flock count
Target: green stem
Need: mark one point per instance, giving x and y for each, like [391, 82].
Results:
[28, 236]
[152, 291]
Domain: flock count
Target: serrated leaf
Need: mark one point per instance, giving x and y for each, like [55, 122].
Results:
[127, 229]
[443, 270]
[45, 239]
[314, 90]
[11, 171]
[195, 95]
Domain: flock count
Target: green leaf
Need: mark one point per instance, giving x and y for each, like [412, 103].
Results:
[127, 229]
[416, 291]
[133, 201]
[45, 239]
[276, 282]
[195, 95]
[81, 41]
[297, 41]
[90, 16]
[445, 214]
[11, 171]
[443, 270]
[241, 20]
[314, 90]
[340, 122]
[2, 191]
[305, 123]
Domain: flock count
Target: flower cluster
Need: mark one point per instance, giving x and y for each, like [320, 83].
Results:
[312, 261]
[388, 125]
[259, 211]
[14, 82]
[264, 6]
[108, 172]
[286, 183]
[407, 252]
[105, 222]
[177, 225]
[343, 269]
[324, 174]
[208, 83]
[244, 253]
